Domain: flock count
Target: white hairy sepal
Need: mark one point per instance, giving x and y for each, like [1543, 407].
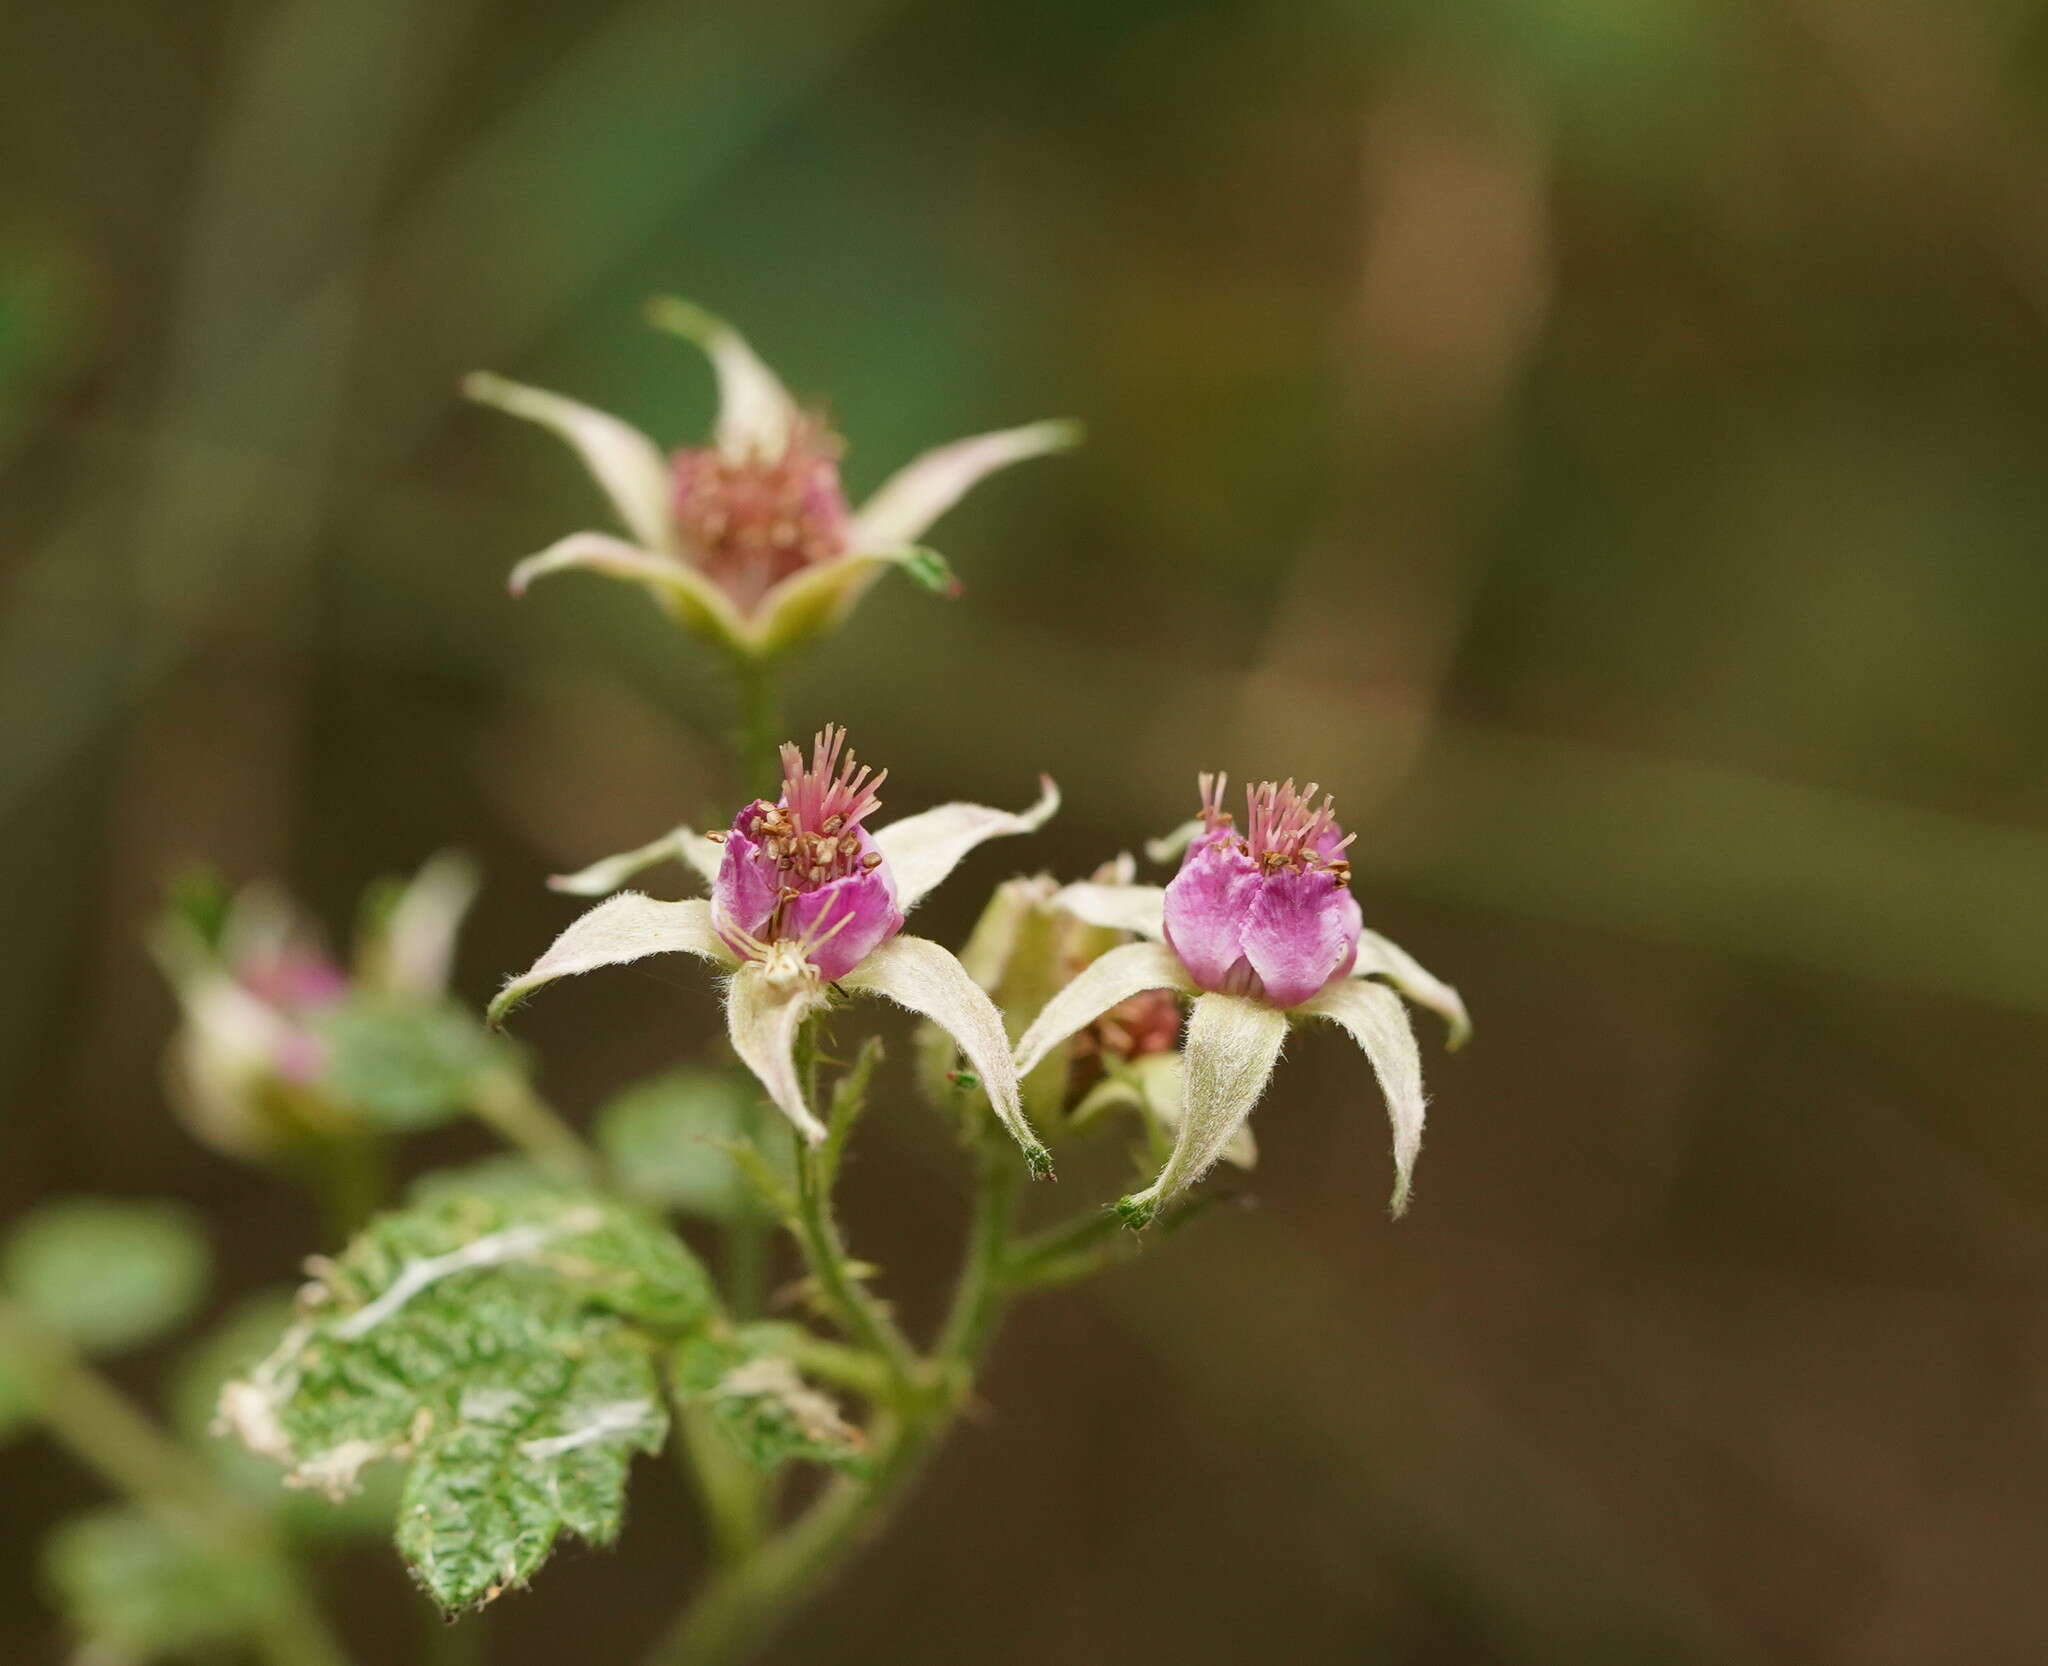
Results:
[413, 949]
[1381, 957]
[929, 981]
[905, 505]
[1128, 970]
[923, 849]
[1154, 1087]
[626, 928]
[683, 844]
[1374, 1018]
[683, 593]
[766, 1004]
[1138, 909]
[1232, 1045]
[626, 464]
[755, 411]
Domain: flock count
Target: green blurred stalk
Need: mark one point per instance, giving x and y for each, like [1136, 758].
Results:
[105, 1432]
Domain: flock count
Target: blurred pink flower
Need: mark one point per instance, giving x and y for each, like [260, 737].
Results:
[749, 540]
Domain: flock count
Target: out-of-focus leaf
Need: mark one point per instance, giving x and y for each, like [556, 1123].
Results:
[108, 1274]
[670, 1139]
[500, 1339]
[135, 1590]
[761, 1404]
[407, 1066]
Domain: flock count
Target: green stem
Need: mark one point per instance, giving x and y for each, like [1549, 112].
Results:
[981, 1292]
[856, 1311]
[758, 733]
[738, 1610]
[104, 1431]
[504, 1102]
[730, 1491]
[745, 1602]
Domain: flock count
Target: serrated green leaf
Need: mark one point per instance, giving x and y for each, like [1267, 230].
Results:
[761, 1404]
[134, 1589]
[406, 1066]
[670, 1138]
[108, 1274]
[498, 1335]
[230, 1350]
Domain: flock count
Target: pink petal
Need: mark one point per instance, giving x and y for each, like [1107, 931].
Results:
[1300, 931]
[1205, 908]
[845, 919]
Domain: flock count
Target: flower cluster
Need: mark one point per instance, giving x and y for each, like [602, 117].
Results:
[750, 541]
[1258, 928]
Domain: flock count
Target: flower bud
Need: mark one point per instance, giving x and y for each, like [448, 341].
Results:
[280, 1045]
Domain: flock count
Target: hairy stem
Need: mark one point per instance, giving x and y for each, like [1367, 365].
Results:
[864, 1320]
[105, 1432]
[744, 1603]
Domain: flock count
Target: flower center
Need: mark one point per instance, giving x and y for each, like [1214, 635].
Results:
[1284, 828]
[749, 522]
[814, 835]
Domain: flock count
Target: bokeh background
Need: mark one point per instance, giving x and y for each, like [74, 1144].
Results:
[1602, 441]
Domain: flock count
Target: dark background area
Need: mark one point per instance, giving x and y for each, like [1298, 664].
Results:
[1601, 441]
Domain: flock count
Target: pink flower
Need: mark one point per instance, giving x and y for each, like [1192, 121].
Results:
[805, 903]
[1261, 928]
[804, 869]
[1268, 913]
[750, 540]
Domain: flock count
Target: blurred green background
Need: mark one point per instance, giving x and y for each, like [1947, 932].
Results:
[1602, 441]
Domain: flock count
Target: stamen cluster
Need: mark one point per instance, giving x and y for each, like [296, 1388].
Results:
[814, 834]
[1286, 828]
[805, 871]
[750, 521]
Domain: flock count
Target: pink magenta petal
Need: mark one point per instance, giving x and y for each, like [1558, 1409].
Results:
[1205, 909]
[743, 894]
[1300, 931]
[845, 921]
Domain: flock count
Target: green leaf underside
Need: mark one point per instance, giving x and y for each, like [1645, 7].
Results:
[762, 1406]
[500, 1338]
